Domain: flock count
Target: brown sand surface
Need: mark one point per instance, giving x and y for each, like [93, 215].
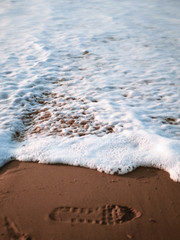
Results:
[46, 202]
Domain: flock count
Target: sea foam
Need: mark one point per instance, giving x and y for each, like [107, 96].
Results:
[112, 153]
[91, 83]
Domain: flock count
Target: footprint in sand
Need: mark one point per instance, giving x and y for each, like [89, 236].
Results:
[14, 232]
[105, 215]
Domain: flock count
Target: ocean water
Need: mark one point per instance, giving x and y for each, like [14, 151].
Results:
[92, 83]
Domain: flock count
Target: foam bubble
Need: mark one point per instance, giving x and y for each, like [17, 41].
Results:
[93, 84]
[113, 153]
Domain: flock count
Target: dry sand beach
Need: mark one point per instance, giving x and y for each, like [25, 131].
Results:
[46, 202]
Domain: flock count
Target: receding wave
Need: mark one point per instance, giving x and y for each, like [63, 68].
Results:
[92, 83]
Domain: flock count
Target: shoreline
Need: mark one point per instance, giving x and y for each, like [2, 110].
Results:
[40, 201]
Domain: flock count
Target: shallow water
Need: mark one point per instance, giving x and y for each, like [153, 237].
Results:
[91, 83]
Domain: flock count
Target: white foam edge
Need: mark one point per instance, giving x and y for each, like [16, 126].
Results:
[7, 148]
[110, 153]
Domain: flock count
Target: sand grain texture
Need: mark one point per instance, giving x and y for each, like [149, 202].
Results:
[63, 202]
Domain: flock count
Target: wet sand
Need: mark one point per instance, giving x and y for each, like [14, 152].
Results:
[46, 202]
